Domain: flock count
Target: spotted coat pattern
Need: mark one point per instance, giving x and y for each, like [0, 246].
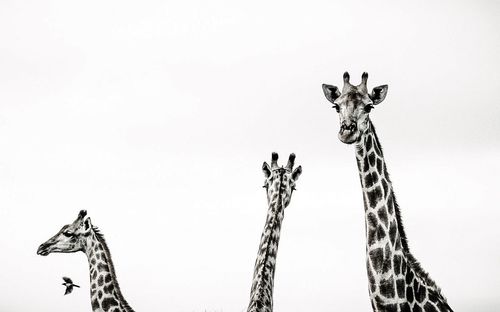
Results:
[396, 280]
[105, 293]
[279, 186]
[81, 235]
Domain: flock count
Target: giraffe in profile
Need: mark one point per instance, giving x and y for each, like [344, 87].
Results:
[279, 185]
[396, 280]
[81, 235]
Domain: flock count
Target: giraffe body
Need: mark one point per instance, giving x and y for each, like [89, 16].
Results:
[280, 184]
[105, 293]
[396, 280]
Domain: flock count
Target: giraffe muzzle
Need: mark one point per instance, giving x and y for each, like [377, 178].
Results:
[43, 250]
[348, 133]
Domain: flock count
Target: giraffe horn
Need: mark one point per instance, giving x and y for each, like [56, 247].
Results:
[291, 161]
[364, 79]
[347, 84]
[82, 214]
[274, 160]
[346, 78]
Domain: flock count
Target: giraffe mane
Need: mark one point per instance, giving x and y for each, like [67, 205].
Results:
[411, 260]
[100, 238]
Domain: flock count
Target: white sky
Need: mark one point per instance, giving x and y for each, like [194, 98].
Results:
[156, 118]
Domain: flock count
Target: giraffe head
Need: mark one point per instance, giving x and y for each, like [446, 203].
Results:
[71, 238]
[280, 181]
[354, 104]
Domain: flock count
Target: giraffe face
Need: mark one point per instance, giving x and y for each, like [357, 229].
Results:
[280, 181]
[71, 238]
[353, 105]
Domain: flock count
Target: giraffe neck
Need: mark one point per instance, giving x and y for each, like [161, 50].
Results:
[105, 293]
[396, 280]
[384, 237]
[261, 295]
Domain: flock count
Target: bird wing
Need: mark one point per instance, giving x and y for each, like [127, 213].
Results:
[67, 280]
[69, 289]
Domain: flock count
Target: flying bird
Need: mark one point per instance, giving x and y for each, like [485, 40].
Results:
[69, 285]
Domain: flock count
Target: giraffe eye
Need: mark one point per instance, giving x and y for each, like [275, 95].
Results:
[368, 108]
[336, 106]
[68, 234]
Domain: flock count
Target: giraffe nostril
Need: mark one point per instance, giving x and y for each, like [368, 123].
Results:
[351, 127]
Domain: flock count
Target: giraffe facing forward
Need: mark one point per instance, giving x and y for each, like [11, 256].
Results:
[105, 293]
[396, 280]
[279, 185]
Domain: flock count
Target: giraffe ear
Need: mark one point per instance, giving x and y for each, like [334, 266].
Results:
[296, 173]
[378, 94]
[266, 169]
[331, 92]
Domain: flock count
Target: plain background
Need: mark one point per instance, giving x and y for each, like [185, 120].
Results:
[156, 117]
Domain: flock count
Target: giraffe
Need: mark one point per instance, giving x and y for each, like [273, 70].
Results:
[81, 235]
[396, 280]
[279, 185]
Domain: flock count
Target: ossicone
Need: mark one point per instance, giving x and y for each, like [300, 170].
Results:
[346, 77]
[274, 160]
[82, 214]
[291, 161]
